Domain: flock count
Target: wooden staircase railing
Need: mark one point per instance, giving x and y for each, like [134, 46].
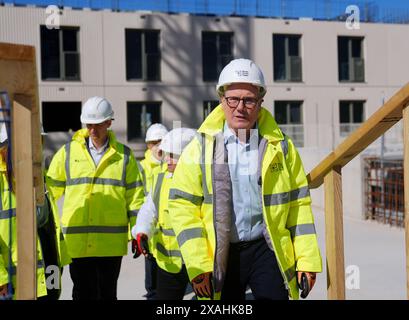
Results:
[329, 172]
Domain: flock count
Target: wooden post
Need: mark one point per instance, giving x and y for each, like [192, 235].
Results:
[18, 77]
[334, 230]
[406, 188]
[26, 219]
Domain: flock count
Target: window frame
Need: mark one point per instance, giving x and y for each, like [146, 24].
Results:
[146, 105]
[297, 130]
[288, 110]
[144, 54]
[45, 105]
[219, 57]
[287, 56]
[351, 125]
[351, 104]
[351, 58]
[213, 105]
[62, 53]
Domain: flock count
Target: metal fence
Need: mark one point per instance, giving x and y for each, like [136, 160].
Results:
[384, 198]
[316, 9]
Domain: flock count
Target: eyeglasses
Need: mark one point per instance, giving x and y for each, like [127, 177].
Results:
[249, 102]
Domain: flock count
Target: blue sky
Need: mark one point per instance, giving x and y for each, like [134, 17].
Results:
[394, 3]
[323, 9]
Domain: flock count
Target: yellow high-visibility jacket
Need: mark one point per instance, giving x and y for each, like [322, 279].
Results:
[64, 257]
[200, 203]
[5, 215]
[147, 168]
[100, 201]
[164, 246]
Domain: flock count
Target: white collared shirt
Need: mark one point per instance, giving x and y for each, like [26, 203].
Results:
[97, 154]
[247, 215]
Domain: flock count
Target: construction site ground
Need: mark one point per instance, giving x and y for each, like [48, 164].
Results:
[374, 261]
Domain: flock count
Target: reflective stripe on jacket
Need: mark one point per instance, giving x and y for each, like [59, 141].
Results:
[5, 215]
[148, 167]
[200, 203]
[100, 201]
[164, 245]
[63, 255]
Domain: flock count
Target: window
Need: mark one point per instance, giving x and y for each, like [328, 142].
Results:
[289, 116]
[351, 65]
[142, 55]
[351, 115]
[208, 106]
[216, 53]
[140, 115]
[60, 58]
[287, 58]
[61, 116]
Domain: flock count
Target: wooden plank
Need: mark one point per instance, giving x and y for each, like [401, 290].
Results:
[406, 188]
[25, 209]
[383, 119]
[17, 52]
[36, 139]
[334, 235]
[18, 75]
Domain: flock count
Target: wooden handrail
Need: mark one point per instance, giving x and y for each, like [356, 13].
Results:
[383, 119]
[328, 171]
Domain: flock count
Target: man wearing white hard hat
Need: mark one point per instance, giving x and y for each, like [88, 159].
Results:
[154, 225]
[103, 192]
[240, 205]
[151, 163]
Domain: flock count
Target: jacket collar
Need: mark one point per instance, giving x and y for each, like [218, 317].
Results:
[150, 160]
[82, 134]
[267, 126]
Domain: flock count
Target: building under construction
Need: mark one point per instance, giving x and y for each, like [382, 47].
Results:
[335, 90]
[384, 190]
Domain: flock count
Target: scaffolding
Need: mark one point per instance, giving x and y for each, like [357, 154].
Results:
[384, 192]
[329, 10]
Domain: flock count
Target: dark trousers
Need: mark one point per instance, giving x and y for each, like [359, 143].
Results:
[95, 278]
[171, 286]
[150, 277]
[253, 264]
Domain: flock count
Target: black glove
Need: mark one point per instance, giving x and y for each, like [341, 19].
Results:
[304, 286]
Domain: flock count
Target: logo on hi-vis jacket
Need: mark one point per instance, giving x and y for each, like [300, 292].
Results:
[276, 167]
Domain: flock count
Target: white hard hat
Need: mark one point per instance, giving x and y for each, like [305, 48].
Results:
[96, 110]
[241, 71]
[155, 132]
[3, 133]
[176, 140]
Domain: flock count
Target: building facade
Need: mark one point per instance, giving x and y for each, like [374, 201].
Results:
[322, 78]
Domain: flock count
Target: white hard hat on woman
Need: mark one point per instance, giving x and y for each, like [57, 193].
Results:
[176, 140]
[155, 132]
